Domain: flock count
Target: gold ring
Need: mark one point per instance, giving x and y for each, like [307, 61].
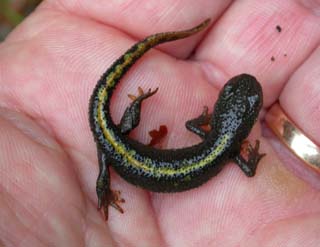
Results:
[289, 134]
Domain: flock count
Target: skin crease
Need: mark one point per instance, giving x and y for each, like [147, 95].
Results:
[48, 167]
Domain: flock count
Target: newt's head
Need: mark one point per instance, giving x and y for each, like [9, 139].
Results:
[238, 106]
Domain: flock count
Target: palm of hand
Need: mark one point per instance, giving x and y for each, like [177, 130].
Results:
[48, 159]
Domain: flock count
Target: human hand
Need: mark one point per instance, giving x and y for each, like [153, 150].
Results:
[49, 66]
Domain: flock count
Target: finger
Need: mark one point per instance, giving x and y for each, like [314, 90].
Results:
[300, 100]
[141, 18]
[246, 38]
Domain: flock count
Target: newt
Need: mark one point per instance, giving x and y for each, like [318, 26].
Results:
[171, 170]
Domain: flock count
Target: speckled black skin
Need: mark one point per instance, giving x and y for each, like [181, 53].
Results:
[235, 113]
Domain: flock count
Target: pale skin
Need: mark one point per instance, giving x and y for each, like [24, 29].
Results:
[48, 166]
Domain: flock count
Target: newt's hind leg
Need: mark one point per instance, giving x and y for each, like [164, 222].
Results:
[106, 196]
[196, 125]
[131, 116]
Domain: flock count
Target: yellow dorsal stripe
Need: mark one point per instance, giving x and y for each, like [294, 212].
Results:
[147, 166]
[129, 155]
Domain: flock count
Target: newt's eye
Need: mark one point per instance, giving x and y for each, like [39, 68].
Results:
[253, 100]
[228, 91]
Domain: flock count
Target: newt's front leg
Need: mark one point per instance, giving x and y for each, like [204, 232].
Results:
[195, 125]
[249, 166]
